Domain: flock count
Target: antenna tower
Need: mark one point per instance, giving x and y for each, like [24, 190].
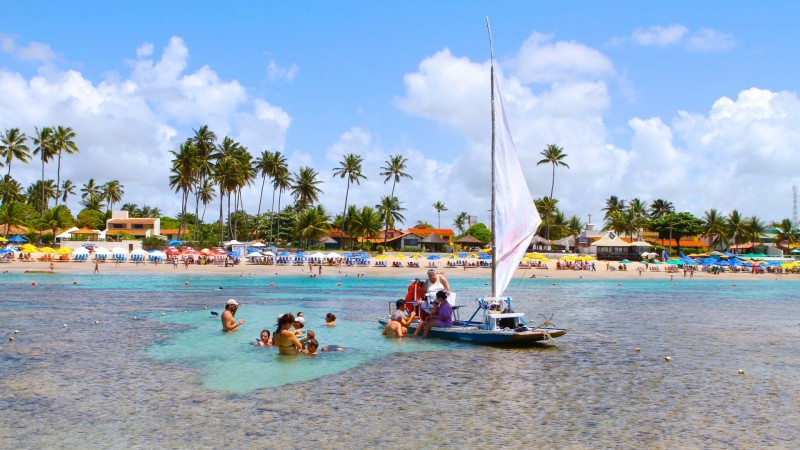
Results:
[794, 206]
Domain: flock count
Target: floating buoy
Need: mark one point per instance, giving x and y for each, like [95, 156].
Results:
[185, 283]
[619, 284]
[638, 350]
[65, 325]
[163, 314]
[204, 308]
[11, 339]
[135, 318]
[573, 329]
[554, 284]
[16, 331]
[338, 284]
[74, 282]
[741, 372]
[272, 284]
[33, 283]
[667, 359]
[734, 284]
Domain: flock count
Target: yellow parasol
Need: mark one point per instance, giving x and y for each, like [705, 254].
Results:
[47, 250]
[64, 251]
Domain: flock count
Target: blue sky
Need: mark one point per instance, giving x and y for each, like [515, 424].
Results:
[692, 102]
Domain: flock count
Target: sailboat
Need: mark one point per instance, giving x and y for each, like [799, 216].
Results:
[514, 223]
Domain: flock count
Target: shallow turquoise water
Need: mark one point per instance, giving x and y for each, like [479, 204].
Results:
[174, 380]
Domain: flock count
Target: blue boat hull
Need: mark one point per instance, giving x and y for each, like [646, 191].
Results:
[474, 335]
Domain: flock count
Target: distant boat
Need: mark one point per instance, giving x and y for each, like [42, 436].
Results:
[514, 220]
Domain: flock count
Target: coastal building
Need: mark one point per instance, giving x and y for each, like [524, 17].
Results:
[137, 227]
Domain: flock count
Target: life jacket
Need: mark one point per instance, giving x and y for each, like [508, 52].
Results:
[414, 294]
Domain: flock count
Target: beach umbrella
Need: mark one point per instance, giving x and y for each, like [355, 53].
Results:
[258, 244]
[485, 256]
[381, 257]
[172, 251]
[47, 250]
[64, 251]
[254, 254]
[333, 255]
[434, 257]
[268, 253]
[6, 251]
[174, 243]
[624, 261]
[3, 240]
[675, 262]
[284, 254]
[17, 240]
[462, 255]
[416, 256]
[28, 248]
[399, 256]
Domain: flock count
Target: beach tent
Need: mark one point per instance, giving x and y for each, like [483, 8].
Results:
[258, 244]
[17, 240]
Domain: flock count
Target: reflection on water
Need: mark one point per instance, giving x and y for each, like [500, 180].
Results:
[176, 381]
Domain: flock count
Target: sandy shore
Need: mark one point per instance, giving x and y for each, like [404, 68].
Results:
[42, 268]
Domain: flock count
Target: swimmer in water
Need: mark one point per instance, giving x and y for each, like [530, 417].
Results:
[264, 340]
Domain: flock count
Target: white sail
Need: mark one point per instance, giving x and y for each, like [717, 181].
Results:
[516, 218]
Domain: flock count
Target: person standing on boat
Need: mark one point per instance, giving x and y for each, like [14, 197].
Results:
[229, 322]
[442, 319]
[435, 283]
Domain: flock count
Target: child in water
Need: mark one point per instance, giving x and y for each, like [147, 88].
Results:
[263, 340]
[311, 347]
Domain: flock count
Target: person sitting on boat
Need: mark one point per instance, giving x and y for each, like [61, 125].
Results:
[399, 322]
[285, 339]
[443, 318]
[228, 321]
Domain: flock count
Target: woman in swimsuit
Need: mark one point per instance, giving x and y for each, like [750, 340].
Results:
[286, 340]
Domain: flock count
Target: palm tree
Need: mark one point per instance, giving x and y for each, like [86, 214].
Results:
[350, 168]
[132, 208]
[282, 181]
[12, 146]
[439, 207]
[460, 222]
[393, 170]
[559, 225]
[715, 227]
[613, 205]
[548, 206]
[204, 140]
[64, 142]
[574, 226]
[786, 233]
[389, 209]
[262, 165]
[34, 199]
[277, 168]
[754, 228]
[112, 193]
[312, 223]
[367, 223]
[660, 207]
[735, 225]
[183, 178]
[45, 148]
[304, 189]
[206, 195]
[91, 195]
[67, 189]
[11, 190]
[616, 221]
[57, 218]
[13, 214]
[554, 155]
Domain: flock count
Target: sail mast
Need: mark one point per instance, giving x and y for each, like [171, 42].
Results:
[493, 220]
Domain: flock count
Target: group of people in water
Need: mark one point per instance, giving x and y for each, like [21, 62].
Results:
[290, 337]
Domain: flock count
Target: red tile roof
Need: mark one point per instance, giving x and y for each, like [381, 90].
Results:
[426, 231]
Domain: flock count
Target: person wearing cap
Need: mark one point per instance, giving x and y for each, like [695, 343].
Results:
[228, 317]
[443, 318]
[400, 320]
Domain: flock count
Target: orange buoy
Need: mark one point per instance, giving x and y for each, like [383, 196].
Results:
[74, 282]
[33, 283]
[338, 284]
[185, 283]
[272, 284]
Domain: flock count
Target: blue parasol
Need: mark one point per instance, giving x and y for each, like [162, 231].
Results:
[18, 239]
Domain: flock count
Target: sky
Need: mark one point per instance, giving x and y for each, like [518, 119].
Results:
[692, 102]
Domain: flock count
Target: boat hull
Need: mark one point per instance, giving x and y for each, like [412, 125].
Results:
[474, 335]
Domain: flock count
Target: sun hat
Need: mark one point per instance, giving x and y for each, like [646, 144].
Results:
[300, 319]
[232, 302]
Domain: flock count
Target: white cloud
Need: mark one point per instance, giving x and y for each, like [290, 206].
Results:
[708, 40]
[702, 40]
[126, 125]
[278, 73]
[658, 35]
[543, 61]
